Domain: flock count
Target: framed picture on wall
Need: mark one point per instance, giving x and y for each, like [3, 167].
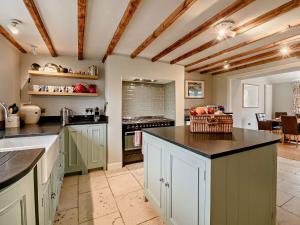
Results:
[194, 89]
[250, 96]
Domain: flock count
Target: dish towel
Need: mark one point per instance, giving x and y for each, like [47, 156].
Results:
[137, 138]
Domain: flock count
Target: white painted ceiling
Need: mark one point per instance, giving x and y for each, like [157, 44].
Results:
[103, 16]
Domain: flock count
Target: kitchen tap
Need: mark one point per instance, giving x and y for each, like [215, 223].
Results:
[4, 106]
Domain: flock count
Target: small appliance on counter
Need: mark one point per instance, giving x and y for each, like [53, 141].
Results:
[13, 119]
[3, 115]
[30, 114]
[65, 114]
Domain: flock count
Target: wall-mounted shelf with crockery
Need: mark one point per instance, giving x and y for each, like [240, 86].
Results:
[63, 75]
[62, 94]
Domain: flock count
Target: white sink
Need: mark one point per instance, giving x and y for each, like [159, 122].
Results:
[49, 142]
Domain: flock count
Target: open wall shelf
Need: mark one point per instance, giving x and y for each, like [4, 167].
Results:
[62, 75]
[62, 94]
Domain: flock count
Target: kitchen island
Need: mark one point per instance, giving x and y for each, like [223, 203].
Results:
[211, 179]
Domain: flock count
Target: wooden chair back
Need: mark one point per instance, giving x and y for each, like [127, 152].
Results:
[289, 125]
[279, 114]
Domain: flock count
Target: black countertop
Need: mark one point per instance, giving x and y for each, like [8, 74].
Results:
[214, 145]
[47, 126]
[14, 165]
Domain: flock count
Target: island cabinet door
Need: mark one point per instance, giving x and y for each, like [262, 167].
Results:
[154, 177]
[185, 187]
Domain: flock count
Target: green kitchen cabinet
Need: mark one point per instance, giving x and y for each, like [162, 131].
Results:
[85, 148]
[74, 138]
[17, 202]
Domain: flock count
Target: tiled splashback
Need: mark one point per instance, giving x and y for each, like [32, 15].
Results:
[142, 99]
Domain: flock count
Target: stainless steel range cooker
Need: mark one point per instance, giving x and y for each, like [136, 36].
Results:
[131, 126]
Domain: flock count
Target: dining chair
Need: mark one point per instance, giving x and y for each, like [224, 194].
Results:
[279, 114]
[262, 122]
[297, 115]
[290, 127]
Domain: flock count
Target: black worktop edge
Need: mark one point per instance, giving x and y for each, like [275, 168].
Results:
[23, 172]
[217, 155]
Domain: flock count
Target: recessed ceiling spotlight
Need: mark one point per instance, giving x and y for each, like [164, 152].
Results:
[13, 26]
[284, 50]
[224, 29]
[226, 65]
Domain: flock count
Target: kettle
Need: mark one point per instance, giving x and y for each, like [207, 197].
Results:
[93, 70]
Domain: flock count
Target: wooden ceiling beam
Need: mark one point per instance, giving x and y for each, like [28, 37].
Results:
[11, 39]
[242, 54]
[243, 28]
[180, 10]
[242, 44]
[127, 16]
[81, 13]
[269, 60]
[31, 7]
[231, 9]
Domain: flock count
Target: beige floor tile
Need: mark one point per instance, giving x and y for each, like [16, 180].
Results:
[68, 198]
[286, 218]
[288, 176]
[134, 209]
[92, 182]
[70, 180]
[96, 204]
[155, 221]
[117, 172]
[293, 206]
[111, 219]
[289, 187]
[66, 217]
[123, 184]
[283, 197]
[135, 166]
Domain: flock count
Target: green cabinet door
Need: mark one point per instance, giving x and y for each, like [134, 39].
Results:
[96, 146]
[74, 148]
[17, 206]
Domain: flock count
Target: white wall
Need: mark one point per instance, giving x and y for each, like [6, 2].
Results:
[9, 73]
[283, 97]
[122, 67]
[245, 117]
[208, 98]
[53, 104]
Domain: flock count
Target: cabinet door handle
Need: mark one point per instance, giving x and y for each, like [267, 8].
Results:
[167, 184]
[161, 180]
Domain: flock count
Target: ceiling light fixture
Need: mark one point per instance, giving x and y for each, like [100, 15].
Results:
[224, 29]
[284, 50]
[34, 50]
[226, 65]
[13, 26]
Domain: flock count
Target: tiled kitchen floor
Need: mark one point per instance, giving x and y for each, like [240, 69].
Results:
[116, 197]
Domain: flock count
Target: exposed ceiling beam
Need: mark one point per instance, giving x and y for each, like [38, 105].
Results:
[11, 39]
[182, 8]
[269, 60]
[244, 27]
[249, 59]
[242, 44]
[127, 16]
[242, 54]
[81, 5]
[231, 9]
[31, 7]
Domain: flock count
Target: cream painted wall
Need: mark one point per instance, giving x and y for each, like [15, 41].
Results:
[283, 97]
[208, 98]
[53, 104]
[9, 73]
[122, 67]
